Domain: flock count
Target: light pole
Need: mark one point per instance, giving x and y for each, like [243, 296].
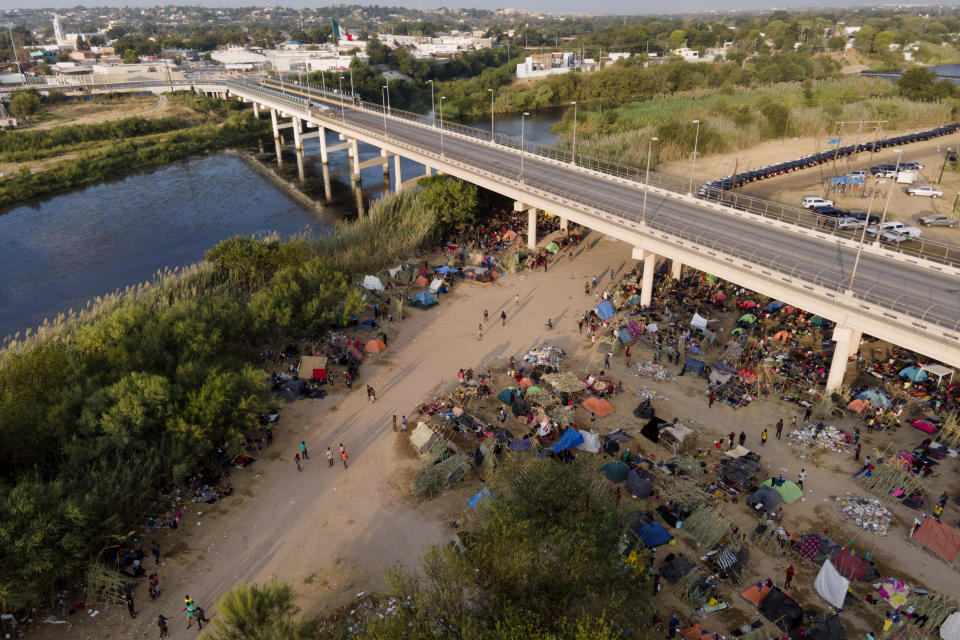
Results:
[693, 159]
[433, 103]
[883, 216]
[442, 98]
[523, 119]
[323, 81]
[383, 90]
[573, 151]
[646, 184]
[352, 94]
[387, 87]
[491, 114]
[342, 116]
[866, 223]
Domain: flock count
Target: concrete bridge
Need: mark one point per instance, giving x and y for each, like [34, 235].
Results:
[908, 300]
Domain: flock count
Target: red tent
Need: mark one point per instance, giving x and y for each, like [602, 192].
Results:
[598, 406]
[939, 538]
[851, 565]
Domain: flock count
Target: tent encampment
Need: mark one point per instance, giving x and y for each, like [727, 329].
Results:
[375, 346]
[372, 283]
[570, 438]
[637, 485]
[605, 310]
[552, 247]
[508, 394]
[826, 628]
[950, 629]
[483, 494]
[913, 374]
[781, 610]
[765, 496]
[424, 298]
[591, 441]
[598, 406]
[675, 569]
[831, 586]
[939, 538]
[653, 534]
[696, 632]
[651, 430]
[787, 489]
[423, 437]
[615, 471]
[313, 367]
[853, 565]
[756, 593]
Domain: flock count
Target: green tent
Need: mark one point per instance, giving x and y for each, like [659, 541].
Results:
[553, 247]
[748, 317]
[615, 471]
[711, 278]
[534, 389]
[818, 321]
[789, 491]
[736, 331]
[634, 301]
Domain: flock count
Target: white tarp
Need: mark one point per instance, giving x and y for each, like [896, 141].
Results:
[717, 377]
[831, 586]
[393, 272]
[739, 452]
[435, 285]
[652, 327]
[698, 322]
[372, 283]
[591, 441]
[940, 371]
[950, 629]
[423, 437]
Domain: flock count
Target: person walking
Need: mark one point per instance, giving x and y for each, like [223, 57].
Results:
[503, 318]
[866, 468]
[710, 398]
[790, 572]
[191, 614]
[485, 315]
[201, 617]
[763, 437]
[580, 325]
[162, 623]
[329, 457]
[394, 422]
[801, 478]
[303, 450]
[128, 598]
[856, 452]
[343, 455]
[516, 299]
[779, 427]
[296, 459]
[480, 331]
[403, 423]
[611, 274]
[627, 354]
[154, 586]
[743, 437]
[371, 394]
[806, 414]
[155, 550]
[731, 436]
[606, 361]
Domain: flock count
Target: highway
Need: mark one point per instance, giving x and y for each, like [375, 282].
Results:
[924, 293]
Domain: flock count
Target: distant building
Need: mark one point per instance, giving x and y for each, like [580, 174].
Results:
[691, 55]
[546, 64]
[238, 58]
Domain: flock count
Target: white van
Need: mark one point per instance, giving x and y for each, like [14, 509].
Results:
[810, 202]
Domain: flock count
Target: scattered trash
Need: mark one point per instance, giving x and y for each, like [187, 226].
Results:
[869, 515]
[653, 371]
[825, 437]
[649, 394]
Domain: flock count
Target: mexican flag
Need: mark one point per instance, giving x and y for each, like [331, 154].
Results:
[339, 33]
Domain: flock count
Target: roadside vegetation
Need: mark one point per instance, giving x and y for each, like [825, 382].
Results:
[96, 152]
[107, 409]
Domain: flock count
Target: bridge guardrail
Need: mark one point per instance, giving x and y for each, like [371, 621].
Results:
[945, 317]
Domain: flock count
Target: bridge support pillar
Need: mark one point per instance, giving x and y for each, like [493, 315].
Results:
[676, 268]
[531, 229]
[563, 223]
[358, 190]
[844, 337]
[327, 188]
[397, 176]
[256, 110]
[386, 166]
[297, 131]
[322, 137]
[355, 160]
[276, 143]
[649, 267]
[273, 121]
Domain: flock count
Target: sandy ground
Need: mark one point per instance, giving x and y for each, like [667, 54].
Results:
[93, 112]
[330, 532]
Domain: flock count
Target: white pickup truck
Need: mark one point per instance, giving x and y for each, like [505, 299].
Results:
[907, 232]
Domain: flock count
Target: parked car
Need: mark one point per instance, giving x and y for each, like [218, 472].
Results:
[862, 216]
[896, 227]
[925, 190]
[937, 220]
[895, 237]
[810, 202]
[912, 165]
[847, 224]
[858, 174]
[830, 212]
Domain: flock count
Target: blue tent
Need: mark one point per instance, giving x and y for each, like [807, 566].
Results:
[615, 471]
[775, 306]
[507, 395]
[520, 445]
[625, 336]
[605, 310]
[876, 398]
[914, 374]
[484, 494]
[445, 270]
[570, 438]
[653, 534]
[425, 298]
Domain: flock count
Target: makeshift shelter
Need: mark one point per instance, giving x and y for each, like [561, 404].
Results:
[781, 610]
[913, 374]
[569, 438]
[876, 398]
[591, 442]
[776, 305]
[598, 406]
[637, 485]
[313, 368]
[696, 632]
[756, 593]
[675, 569]
[438, 286]
[730, 564]
[533, 390]
[698, 322]
[653, 534]
[787, 489]
[508, 395]
[894, 591]
[853, 565]
[483, 494]
[684, 436]
[737, 452]
[826, 628]
[694, 365]
[651, 430]
[605, 310]
[939, 538]
[423, 437]
[817, 548]
[766, 497]
[749, 318]
[950, 629]
[615, 471]
[924, 425]
[374, 346]
[425, 298]
[372, 283]
[421, 281]
[552, 247]
[831, 586]
[940, 371]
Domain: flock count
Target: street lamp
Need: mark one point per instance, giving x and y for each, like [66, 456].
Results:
[387, 87]
[384, 103]
[866, 223]
[883, 217]
[433, 103]
[491, 114]
[352, 94]
[342, 117]
[693, 160]
[442, 98]
[573, 152]
[522, 120]
[646, 184]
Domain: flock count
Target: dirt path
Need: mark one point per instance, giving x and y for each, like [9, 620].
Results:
[330, 532]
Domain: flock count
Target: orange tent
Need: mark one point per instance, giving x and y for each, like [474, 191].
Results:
[696, 632]
[940, 538]
[756, 593]
[859, 405]
[375, 346]
[525, 382]
[782, 336]
[422, 281]
[510, 236]
[598, 406]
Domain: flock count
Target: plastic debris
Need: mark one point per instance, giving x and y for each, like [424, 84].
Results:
[868, 514]
[653, 371]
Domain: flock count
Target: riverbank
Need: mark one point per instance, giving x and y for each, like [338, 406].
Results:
[290, 188]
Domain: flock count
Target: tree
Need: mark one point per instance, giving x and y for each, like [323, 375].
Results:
[116, 31]
[252, 612]
[540, 559]
[24, 104]
[881, 43]
[130, 56]
[455, 202]
[678, 38]
[863, 40]
[921, 84]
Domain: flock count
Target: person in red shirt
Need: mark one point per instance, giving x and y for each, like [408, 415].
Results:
[790, 572]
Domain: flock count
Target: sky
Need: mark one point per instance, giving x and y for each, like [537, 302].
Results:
[552, 6]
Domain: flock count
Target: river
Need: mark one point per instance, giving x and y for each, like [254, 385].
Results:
[60, 251]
